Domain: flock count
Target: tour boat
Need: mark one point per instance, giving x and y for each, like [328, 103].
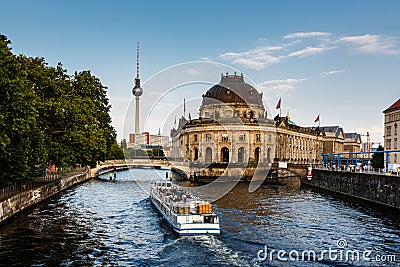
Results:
[185, 213]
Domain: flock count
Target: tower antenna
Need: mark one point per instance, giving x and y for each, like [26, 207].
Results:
[137, 60]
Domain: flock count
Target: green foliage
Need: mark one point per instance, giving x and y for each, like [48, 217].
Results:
[116, 152]
[377, 160]
[157, 152]
[49, 117]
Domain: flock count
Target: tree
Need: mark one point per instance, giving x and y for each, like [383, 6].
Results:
[21, 138]
[116, 152]
[48, 117]
[377, 160]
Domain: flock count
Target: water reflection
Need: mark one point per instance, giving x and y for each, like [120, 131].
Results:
[101, 223]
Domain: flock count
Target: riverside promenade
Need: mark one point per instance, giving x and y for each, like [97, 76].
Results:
[28, 194]
[21, 196]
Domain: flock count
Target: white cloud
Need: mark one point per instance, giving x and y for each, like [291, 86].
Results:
[275, 86]
[255, 58]
[258, 58]
[205, 59]
[306, 35]
[375, 132]
[332, 72]
[308, 51]
[193, 72]
[372, 44]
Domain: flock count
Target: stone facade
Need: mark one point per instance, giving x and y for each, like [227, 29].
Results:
[382, 189]
[233, 128]
[391, 132]
[352, 143]
[333, 139]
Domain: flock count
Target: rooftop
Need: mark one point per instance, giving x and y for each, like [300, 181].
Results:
[232, 89]
[396, 105]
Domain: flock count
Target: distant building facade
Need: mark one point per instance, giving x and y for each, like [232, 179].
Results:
[333, 140]
[147, 140]
[391, 131]
[352, 143]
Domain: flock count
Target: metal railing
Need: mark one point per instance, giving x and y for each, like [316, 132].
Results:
[357, 170]
[49, 177]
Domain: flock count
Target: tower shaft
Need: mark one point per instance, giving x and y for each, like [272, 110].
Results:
[137, 116]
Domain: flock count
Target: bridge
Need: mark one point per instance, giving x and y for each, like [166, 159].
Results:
[196, 171]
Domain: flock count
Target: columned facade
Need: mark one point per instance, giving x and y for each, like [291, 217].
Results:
[233, 134]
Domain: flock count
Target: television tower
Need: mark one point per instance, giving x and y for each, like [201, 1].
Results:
[137, 91]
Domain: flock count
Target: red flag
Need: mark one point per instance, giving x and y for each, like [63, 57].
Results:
[278, 106]
[317, 119]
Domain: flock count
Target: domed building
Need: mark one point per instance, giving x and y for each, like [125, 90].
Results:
[233, 135]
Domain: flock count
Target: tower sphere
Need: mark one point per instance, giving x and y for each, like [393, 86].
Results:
[137, 91]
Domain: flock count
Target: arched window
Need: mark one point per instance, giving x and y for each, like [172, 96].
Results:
[269, 154]
[196, 154]
[241, 154]
[225, 154]
[208, 154]
[257, 153]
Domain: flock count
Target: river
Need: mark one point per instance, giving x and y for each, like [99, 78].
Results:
[99, 223]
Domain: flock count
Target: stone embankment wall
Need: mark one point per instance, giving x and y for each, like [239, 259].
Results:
[25, 199]
[382, 189]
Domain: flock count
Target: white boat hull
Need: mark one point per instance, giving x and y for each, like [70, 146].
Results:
[185, 229]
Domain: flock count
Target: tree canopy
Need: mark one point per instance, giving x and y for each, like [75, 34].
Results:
[48, 117]
[377, 160]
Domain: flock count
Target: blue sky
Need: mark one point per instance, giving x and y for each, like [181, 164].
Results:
[339, 59]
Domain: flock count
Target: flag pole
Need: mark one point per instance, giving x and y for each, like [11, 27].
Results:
[280, 107]
[184, 108]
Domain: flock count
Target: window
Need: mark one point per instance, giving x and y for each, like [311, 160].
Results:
[388, 144]
[208, 137]
[395, 129]
[395, 157]
[195, 137]
[242, 137]
[388, 130]
[395, 143]
[258, 137]
[187, 140]
[225, 137]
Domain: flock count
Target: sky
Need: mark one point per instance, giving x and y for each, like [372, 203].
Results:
[337, 59]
